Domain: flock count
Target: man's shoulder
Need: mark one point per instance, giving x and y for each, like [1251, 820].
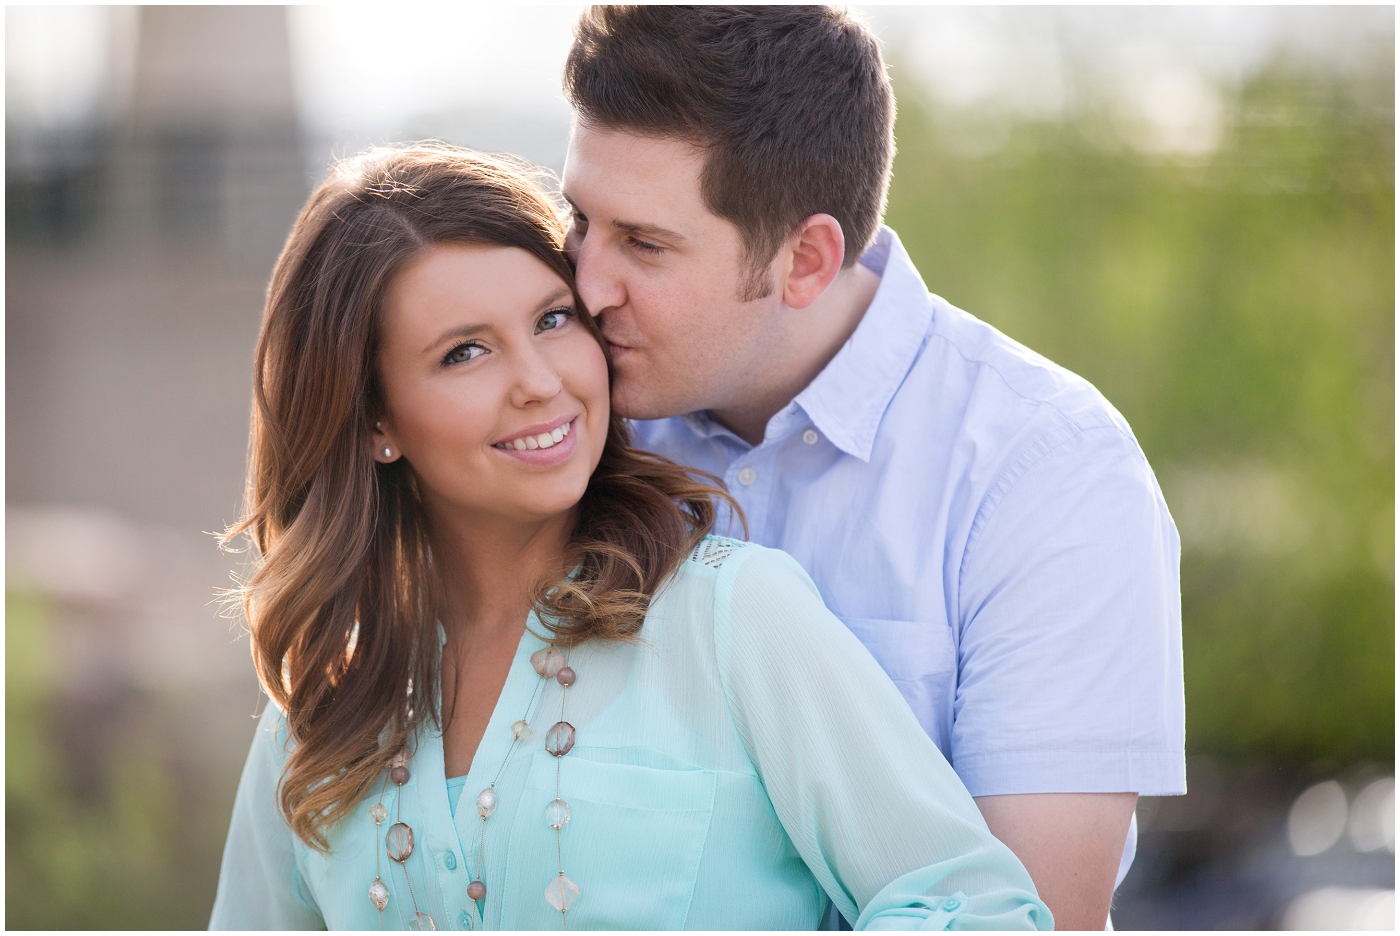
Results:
[989, 375]
[965, 371]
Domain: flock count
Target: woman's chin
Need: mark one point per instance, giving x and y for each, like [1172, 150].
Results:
[544, 504]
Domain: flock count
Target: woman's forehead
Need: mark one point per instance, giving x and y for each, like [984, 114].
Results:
[460, 286]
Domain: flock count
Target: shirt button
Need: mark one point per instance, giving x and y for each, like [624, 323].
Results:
[465, 920]
[747, 476]
[810, 437]
[952, 903]
[450, 860]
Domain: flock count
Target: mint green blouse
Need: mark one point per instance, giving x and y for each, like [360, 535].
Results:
[745, 765]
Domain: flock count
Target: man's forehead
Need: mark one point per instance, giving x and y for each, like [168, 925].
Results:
[609, 167]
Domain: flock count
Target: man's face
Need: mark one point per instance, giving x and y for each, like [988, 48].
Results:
[664, 275]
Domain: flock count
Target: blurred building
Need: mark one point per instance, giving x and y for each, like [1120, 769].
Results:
[138, 257]
[139, 249]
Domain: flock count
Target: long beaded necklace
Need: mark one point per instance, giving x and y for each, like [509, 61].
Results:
[398, 843]
[561, 893]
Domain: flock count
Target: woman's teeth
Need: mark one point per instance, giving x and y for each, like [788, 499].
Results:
[542, 441]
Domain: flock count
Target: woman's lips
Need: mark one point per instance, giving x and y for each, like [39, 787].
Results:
[542, 448]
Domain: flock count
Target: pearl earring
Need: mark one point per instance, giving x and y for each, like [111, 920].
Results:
[388, 452]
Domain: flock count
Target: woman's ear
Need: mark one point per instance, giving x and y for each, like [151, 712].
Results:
[385, 449]
[817, 252]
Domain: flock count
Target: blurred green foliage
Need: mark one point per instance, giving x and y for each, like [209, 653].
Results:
[1239, 311]
[113, 820]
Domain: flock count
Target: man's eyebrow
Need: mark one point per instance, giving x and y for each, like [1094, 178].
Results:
[648, 230]
[466, 331]
[636, 227]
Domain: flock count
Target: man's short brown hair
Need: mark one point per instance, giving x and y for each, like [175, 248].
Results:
[792, 104]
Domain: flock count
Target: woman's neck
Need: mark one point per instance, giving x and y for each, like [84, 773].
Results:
[489, 568]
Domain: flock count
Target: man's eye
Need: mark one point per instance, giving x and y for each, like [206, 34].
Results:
[466, 351]
[554, 319]
[646, 248]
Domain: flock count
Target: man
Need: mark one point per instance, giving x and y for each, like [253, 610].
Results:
[982, 519]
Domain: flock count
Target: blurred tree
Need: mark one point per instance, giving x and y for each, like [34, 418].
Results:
[1239, 311]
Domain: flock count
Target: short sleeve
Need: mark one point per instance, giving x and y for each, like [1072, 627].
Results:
[261, 886]
[1069, 668]
[866, 797]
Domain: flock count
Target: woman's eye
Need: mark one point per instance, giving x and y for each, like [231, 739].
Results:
[554, 319]
[466, 351]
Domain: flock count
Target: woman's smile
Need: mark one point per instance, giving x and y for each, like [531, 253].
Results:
[543, 444]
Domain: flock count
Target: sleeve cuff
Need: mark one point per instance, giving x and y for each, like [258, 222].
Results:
[1147, 773]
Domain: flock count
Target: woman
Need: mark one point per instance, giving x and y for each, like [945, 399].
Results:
[514, 684]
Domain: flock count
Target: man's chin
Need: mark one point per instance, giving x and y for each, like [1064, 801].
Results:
[630, 401]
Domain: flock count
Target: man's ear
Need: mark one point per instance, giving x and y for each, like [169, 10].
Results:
[816, 251]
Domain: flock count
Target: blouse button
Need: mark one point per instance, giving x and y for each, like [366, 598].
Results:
[450, 859]
[810, 437]
[747, 476]
[952, 903]
[465, 920]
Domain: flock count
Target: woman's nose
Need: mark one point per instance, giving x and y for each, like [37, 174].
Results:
[536, 378]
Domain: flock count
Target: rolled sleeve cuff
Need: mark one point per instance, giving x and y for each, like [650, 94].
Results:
[1147, 773]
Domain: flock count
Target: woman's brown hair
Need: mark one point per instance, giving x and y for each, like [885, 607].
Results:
[341, 601]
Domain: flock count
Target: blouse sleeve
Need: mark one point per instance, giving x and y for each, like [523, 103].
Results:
[870, 803]
[261, 885]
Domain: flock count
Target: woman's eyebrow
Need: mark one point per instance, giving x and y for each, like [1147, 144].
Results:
[461, 331]
[466, 331]
[559, 294]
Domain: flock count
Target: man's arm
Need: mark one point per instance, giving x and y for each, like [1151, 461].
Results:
[1069, 679]
[1071, 843]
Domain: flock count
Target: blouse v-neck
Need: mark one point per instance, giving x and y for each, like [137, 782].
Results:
[520, 685]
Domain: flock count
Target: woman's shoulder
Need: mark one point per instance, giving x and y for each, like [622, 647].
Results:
[271, 741]
[713, 551]
[725, 563]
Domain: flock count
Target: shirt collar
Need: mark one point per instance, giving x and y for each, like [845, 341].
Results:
[848, 399]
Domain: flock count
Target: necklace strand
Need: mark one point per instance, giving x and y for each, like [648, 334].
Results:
[486, 799]
[562, 893]
[398, 843]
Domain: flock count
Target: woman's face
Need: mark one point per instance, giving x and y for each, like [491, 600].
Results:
[495, 392]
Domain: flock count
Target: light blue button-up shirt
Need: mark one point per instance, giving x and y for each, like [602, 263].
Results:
[987, 525]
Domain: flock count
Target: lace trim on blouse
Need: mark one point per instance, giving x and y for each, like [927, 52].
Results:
[713, 550]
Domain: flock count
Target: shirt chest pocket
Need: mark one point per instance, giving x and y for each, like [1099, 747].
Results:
[921, 660]
[633, 844]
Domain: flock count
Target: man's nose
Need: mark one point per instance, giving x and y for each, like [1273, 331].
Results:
[599, 284]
